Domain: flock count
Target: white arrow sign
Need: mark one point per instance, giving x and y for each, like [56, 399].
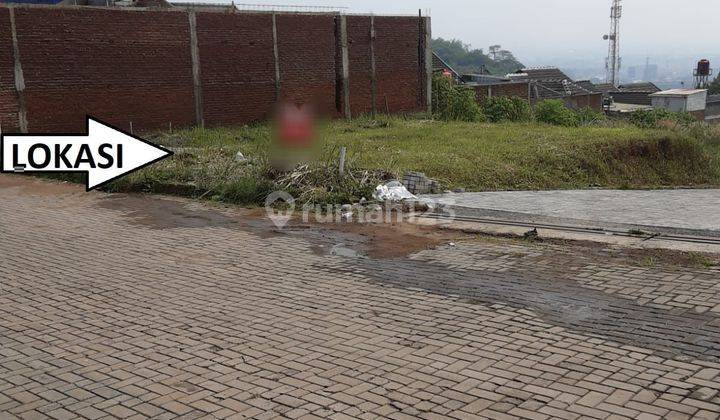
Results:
[105, 153]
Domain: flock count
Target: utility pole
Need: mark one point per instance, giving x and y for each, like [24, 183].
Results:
[612, 64]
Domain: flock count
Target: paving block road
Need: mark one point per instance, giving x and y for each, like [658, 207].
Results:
[681, 209]
[132, 307]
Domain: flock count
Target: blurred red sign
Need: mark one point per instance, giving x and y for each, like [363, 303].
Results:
[295, 126]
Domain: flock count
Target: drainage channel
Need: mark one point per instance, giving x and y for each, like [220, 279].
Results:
[577, 229]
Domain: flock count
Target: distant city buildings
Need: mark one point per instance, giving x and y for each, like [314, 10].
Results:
[645, 72]
[651, 72]
[667, 71]
[632, 73]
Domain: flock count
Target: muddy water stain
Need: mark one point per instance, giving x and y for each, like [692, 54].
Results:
[34, 186]
[373, 240]
[160, 213]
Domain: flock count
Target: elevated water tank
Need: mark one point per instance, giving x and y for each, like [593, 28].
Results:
[703, 68]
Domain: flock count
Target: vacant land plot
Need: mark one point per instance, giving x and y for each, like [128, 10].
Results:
[474, 156]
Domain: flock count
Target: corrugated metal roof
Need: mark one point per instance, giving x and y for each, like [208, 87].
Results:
[556, 89]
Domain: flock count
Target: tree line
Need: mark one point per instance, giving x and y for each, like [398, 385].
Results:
[467, 60]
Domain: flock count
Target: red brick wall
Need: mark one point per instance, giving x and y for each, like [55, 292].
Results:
[594, 101]
[135, 66]
[120, 66]
[699, 115]
[358, 31]
[397, 64]
[8, 97]
[237, 67]
[506, 90]
[399, 70]
[307, 50]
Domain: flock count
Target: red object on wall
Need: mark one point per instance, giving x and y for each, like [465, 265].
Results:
[295, 127]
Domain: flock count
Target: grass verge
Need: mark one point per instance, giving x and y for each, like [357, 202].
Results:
[474, 156]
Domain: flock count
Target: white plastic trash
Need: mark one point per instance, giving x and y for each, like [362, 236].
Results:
[393, 191]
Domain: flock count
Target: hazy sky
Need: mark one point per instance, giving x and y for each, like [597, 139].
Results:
[534, 28]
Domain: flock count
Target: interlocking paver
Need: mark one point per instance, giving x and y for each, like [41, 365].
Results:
[134, 307]
[689, 208]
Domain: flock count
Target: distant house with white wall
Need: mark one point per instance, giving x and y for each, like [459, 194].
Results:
[693, 101]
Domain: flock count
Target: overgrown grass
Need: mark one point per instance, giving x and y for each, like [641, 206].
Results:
[475, 156]
[532, 156]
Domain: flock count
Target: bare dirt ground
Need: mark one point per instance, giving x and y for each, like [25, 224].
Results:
[132, 306]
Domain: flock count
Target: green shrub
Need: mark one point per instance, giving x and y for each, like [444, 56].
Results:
[588, 116]
[454, 103]
[554, 111]
[714, 88]
[652, 118]
[501, 108]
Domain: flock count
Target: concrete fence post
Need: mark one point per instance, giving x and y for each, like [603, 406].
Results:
[276, 57]
[428, 64]
[19, 76]
[373, 82]
[529, 94]
[195, 58]
[341, 165]
[345, 62]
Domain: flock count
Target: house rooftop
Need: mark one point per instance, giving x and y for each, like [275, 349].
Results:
[605, 87]
[540, 73]
[439, 64]
[678, 92]
[486, 79]
[587, 85]
[557, 89]
[641, 87]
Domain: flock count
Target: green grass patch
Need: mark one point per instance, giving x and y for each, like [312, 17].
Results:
[475, 156]
[532, 156]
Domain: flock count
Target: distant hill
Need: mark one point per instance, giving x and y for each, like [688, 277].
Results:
[466, 60]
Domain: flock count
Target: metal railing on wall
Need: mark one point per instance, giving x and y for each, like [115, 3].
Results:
[288, 8]
[316, 9]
